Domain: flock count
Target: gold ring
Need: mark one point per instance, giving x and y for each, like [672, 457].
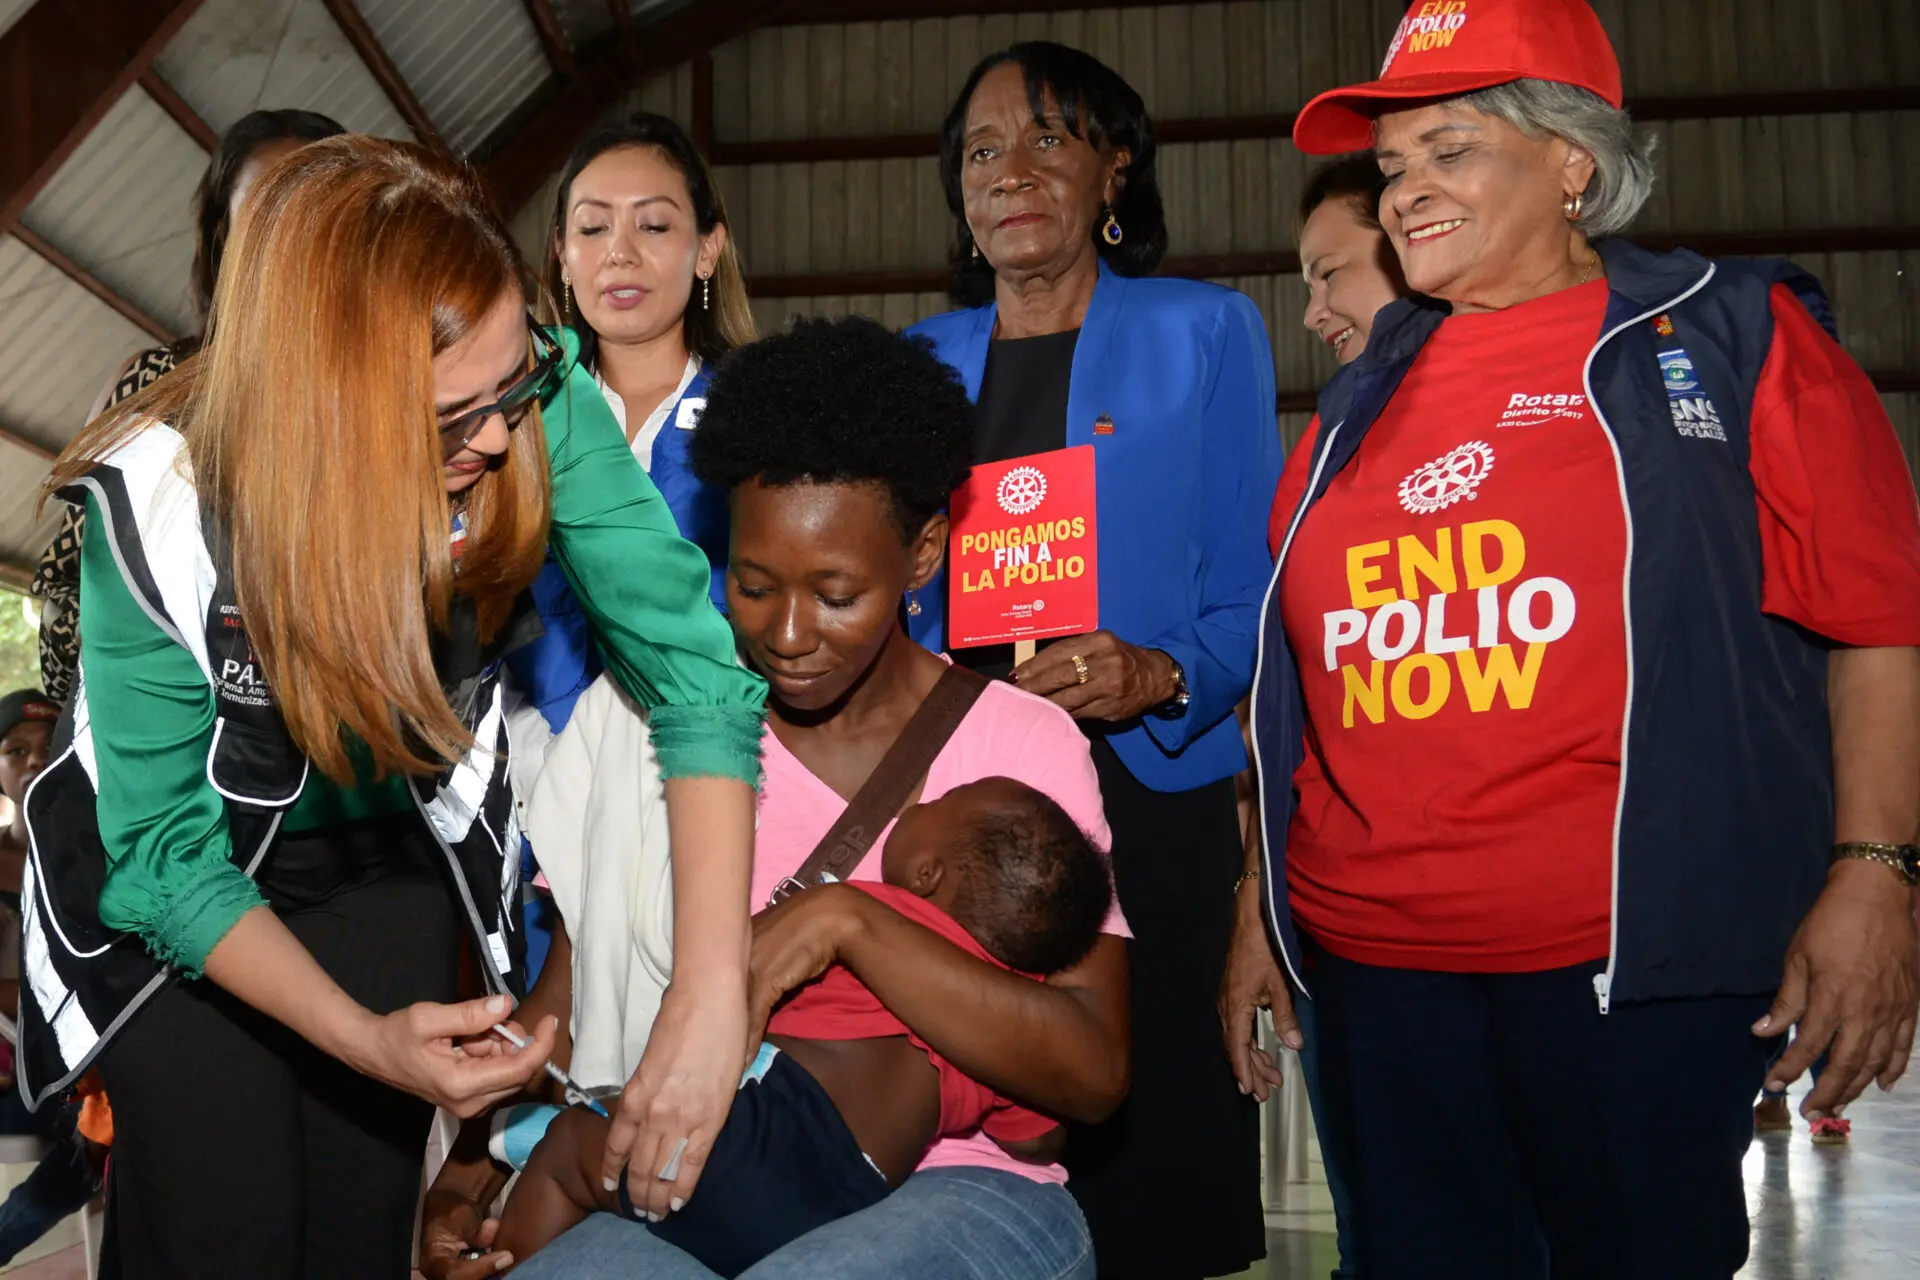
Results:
[1080, 667]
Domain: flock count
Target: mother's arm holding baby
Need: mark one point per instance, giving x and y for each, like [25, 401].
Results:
[1058, 1045]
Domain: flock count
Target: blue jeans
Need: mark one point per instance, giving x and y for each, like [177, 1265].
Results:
[943, 1224]
[61, 1184]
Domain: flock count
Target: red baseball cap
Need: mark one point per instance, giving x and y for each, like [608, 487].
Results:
[1444, 48]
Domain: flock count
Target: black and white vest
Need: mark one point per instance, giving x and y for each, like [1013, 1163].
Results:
[82, 980]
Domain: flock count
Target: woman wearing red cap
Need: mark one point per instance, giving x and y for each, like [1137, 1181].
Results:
[1589, 700]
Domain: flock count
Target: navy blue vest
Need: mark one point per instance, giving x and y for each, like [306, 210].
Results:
[1725, 821]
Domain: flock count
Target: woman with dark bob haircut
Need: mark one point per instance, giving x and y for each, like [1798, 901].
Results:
[1048, 162]
[837, 445]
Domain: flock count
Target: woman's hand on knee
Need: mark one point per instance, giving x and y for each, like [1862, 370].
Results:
[672, 1109]
[420, 1049]
[1253, 982]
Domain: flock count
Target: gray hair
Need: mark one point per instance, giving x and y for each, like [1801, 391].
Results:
[1622, 155]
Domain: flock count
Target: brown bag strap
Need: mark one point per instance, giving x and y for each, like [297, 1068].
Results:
[880, 799]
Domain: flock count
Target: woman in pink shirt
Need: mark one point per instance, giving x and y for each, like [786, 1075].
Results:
[838, 444]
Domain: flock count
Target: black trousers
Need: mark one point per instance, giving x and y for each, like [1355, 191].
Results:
[240, 1150]
[1170, 1186]
[1503, 1129]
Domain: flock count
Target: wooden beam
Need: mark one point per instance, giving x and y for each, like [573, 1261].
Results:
[1280, 125]
[701, 126]
[1814, 102]
[354, 27]
[63, 65]
[1286, 262]
[182, 112]
[626, 35]
[34, 447]
[894, 10]
[884, 146]
[546, 24]
[516, 168]
[99, 288]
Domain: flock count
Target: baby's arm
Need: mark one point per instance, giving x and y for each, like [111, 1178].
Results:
[559, 1187]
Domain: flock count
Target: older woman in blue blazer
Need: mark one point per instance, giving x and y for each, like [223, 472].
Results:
[1048, 164]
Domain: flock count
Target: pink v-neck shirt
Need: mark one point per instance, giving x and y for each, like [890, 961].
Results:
[1008, 734]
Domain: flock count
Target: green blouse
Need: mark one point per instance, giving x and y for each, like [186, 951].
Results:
[170, 876]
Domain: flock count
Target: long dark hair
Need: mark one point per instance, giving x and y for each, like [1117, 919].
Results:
[1092, 97]
[1355, 178]
[710, 332]
[215, 194]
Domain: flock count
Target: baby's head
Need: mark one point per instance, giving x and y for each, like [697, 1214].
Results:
[1010, 866]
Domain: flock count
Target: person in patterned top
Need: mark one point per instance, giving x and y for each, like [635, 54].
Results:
[250, 148]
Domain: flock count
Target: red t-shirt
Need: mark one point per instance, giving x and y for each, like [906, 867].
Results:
[1455, 606]
[838, 1006]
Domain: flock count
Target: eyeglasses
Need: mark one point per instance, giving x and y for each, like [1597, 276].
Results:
[548, 367]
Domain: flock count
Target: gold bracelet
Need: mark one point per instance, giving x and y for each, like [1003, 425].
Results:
[1902, 859]
[1245, 876]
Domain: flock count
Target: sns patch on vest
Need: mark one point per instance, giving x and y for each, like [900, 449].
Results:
[1693, 414]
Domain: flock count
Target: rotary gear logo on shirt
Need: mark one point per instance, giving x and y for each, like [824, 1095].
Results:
[1447, 479]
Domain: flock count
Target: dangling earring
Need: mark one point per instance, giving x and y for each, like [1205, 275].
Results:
[913, 604]
[1575, 204]
[706, 293]
[566, 302]
[976, 248]
[1110, 230]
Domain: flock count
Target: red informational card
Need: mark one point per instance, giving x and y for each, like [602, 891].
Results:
[1024, 562]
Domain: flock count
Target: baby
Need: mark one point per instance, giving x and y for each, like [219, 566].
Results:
[843, 1100]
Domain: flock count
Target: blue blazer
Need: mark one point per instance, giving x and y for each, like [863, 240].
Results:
[555, 670]
[1183, 487]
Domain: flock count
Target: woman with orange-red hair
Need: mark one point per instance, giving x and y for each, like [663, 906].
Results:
[286, 781]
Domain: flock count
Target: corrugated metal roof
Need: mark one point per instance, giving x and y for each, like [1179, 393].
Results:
[59, 346]
[120, 205]
[23, 537]
[237, 55]
[471, 63]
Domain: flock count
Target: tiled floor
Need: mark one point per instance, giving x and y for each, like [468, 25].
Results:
[1840, 1213]
[1819, 1213]
[68, 1264]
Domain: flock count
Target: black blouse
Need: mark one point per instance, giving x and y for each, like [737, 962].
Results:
[1022, 410]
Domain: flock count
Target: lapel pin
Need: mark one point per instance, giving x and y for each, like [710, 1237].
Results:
[1103, 425]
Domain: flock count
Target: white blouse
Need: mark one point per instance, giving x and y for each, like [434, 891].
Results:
[651, 428]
